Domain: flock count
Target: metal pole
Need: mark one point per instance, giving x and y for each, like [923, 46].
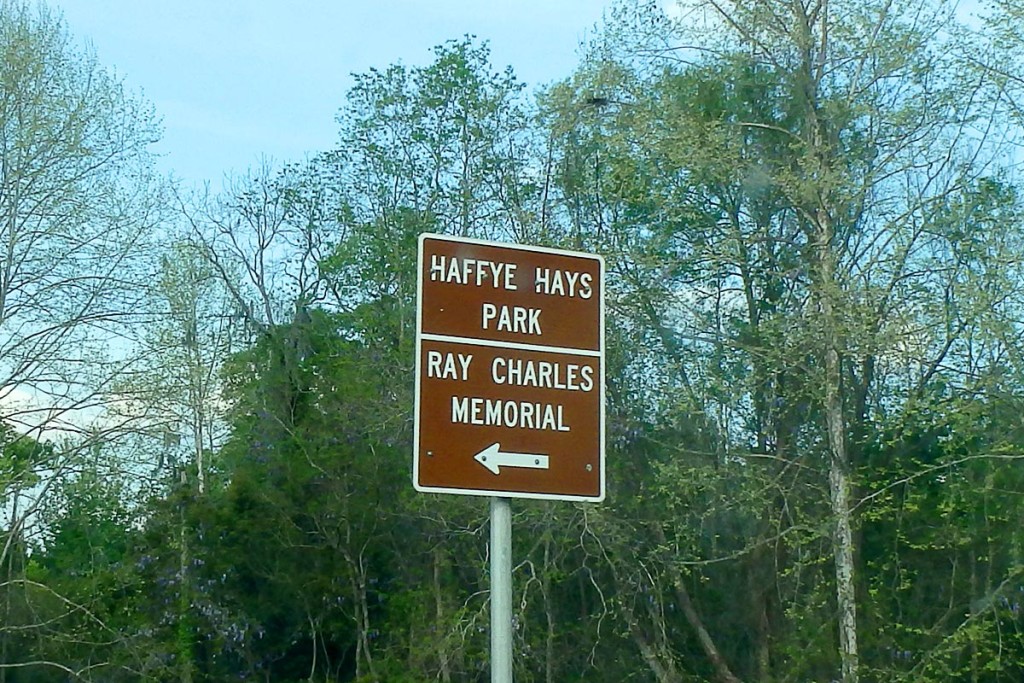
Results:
[501, 590]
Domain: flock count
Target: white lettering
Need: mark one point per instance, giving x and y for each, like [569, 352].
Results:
[572, 277]
[526, 416]
[569, 283]
[436, 266]
[557, 287]
[585, 291]
[535, 321]
[494, 370]
[519, 315]
[511, 319]
[559, 382]
[529, 374]
[444, 366]
[510, 273]
[515, 372]
[512, 413]
[464, 361]
[542, 374]
[434, 363]
[545, 370]
[454, 273]
[570, 377]
[490, 312]
[460, 410]
[494, 412]
[515, 414]
[587, 375]
[540, 280]
[549, 419]
[465, 271]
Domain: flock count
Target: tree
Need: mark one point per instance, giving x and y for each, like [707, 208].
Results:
[776, 183]
[78, 205]
[79, 202]
[85, 580]
[318, 260]
[446, 140]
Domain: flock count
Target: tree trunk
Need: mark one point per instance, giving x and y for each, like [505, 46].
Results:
[838, 461]
[439, 617]
[10, 584]
[842, 549]
[811, 36]
[664, 671]
[722, 671]
[357, 583]
[549, 640]
[184, 605]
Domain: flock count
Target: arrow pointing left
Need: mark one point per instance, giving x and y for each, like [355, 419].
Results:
[493, 458]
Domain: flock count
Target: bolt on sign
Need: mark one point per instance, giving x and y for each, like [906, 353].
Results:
[509, 371]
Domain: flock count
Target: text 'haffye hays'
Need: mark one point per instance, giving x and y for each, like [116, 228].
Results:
[502, 275]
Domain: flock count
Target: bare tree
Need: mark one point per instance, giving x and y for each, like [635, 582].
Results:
[79, 203]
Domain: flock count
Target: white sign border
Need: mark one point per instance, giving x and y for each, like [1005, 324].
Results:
[490, 493]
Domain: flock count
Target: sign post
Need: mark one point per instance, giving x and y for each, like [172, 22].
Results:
[501, 590]
[509, 387]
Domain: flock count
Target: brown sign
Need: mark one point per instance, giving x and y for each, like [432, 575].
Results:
[509, 371]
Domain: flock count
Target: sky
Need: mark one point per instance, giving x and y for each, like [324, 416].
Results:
[239, 81]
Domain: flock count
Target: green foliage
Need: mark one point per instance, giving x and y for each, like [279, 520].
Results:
[445, 141]
[771, 190]
[20, 458]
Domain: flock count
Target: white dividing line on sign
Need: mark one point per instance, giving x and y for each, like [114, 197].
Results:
[510, 345]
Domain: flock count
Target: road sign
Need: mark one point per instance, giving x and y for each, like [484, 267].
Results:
[509, 371]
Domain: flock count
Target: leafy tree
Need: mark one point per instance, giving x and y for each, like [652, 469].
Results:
[318, 260]
[85, 580]
[775, 184]
[444, 140]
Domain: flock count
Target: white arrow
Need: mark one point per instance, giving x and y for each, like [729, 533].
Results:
[493, 458]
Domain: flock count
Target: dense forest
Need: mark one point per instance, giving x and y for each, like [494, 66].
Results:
[811, 216]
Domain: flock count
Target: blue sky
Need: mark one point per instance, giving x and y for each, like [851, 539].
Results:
[236, 80]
